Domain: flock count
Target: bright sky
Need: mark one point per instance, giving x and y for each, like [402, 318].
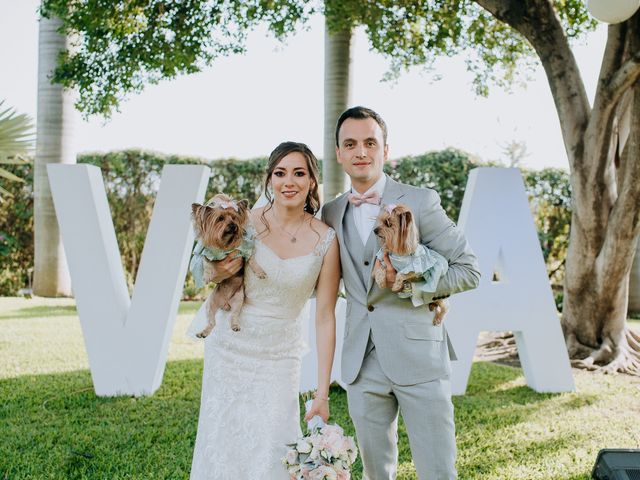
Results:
[243, 106]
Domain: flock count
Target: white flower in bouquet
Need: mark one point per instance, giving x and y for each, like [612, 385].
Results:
[315, 454]
[329, 430]
[303, 446]
[323, 472]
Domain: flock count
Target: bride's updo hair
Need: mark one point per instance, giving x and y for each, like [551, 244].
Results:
[312, 202]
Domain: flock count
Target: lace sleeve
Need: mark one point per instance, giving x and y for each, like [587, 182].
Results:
[325, 243]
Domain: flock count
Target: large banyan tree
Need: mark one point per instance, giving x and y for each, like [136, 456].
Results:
[123, 45]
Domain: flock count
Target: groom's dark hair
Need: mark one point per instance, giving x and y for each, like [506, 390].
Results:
[360, 113]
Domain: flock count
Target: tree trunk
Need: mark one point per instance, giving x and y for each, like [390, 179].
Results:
[337, 89]
[53, 145]
[634, 276]
[604, 230]
[634, 284]
[605, 180]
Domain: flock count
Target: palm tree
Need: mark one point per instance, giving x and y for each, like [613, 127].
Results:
[337, 90]
[53, 145]
[16, 140]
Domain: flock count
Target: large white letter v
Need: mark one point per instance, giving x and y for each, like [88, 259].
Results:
[126, 339]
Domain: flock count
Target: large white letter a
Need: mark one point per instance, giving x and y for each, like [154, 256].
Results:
[514, 292]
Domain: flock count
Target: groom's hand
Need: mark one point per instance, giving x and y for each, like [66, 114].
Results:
[390, 272]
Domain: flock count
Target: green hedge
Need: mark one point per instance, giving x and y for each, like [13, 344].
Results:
[132, 177]
[16, 231]
[549, 193]
[445, 171]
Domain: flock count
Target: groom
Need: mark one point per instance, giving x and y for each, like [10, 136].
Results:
[393, 357]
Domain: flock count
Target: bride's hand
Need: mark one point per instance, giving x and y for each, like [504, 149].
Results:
[319, 407]
[219, 271]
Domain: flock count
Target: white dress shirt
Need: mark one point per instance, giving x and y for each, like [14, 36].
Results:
[364, 215]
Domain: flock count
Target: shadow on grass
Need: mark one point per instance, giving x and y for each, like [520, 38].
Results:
[490, 402]
[486, 415]
[488, 376]
[40, 312]
[511, 456]
[54, 426]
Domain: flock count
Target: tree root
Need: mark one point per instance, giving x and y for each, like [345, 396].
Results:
[502, 347]
[626, 361]
[499, 346]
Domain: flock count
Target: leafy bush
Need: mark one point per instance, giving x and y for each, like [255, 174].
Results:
[549, 192]
[445, 171]
[16, 231]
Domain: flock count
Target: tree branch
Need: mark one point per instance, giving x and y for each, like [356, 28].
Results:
[603, 108]
[624, 221]
[624, 78]
[539, 23]
[612, 59]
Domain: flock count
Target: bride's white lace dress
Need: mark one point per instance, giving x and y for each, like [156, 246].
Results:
[249, 408]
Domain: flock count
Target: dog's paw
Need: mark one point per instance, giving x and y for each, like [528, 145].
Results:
[201, 335]
[380, 278]
[235, 328]
[261, 275]
[439, 312]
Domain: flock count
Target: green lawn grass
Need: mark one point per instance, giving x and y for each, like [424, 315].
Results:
[52, 426]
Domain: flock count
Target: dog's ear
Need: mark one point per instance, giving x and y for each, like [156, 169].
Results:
[406, 218]
[407, 241]
[194, 208]
[243, 204]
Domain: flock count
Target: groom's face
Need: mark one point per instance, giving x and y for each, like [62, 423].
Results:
[361, 151]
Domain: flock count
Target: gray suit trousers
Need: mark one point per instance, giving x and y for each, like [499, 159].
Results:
[427, 411]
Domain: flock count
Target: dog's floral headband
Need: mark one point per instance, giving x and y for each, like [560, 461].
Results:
[389, 208]
[223, 204]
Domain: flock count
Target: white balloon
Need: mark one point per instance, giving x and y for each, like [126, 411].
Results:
[612, 11]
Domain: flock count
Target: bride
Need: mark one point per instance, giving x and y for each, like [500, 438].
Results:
[249, 408]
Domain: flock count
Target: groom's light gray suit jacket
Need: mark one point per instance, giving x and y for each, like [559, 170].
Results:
[409, 347]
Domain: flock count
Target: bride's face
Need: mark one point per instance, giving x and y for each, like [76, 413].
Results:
[291, 181]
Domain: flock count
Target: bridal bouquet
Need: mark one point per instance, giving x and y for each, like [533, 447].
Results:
[325, 453]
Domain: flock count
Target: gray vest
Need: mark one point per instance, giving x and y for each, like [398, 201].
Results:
[361, 255]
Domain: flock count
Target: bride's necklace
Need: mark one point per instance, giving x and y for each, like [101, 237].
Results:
[291, 235]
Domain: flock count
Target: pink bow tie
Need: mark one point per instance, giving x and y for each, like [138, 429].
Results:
[373, 198]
